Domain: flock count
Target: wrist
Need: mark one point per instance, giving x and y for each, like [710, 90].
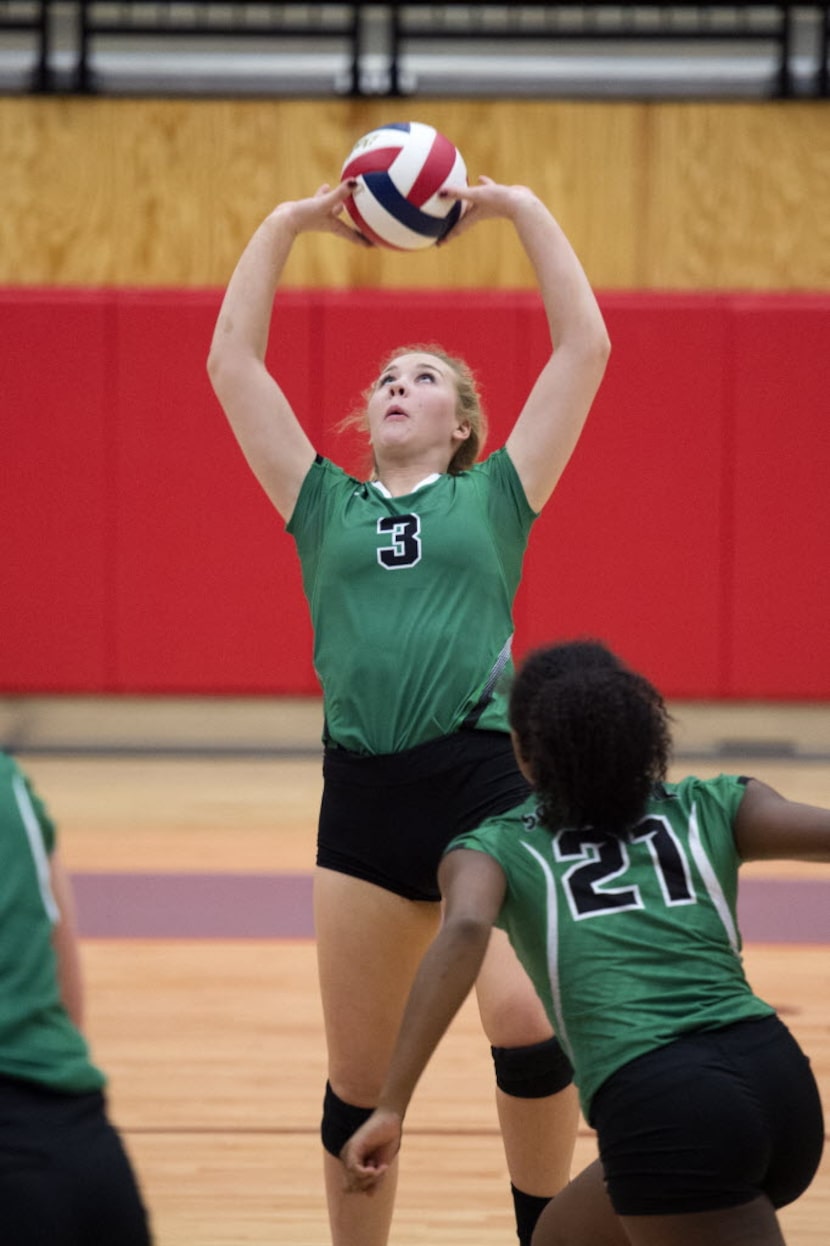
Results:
[285, 219]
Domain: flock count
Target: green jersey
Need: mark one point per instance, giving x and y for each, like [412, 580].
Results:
[38, 1041]
[630, 941]
[411, 600]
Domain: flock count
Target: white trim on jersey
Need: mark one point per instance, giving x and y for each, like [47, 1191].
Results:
[41, 859]
[552, 947]
[428, 480]
[710, 881]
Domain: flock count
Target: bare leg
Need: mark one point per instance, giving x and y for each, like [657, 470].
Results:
[582, 1215]
[369, 944]
[538, 1134]
[749, 1224]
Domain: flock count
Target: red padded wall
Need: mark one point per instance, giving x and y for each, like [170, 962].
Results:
[56, 535]
[628, 548]
[690, 529]
[779, 625]
[208, 589]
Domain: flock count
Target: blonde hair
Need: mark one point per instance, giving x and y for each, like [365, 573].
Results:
[468, 407]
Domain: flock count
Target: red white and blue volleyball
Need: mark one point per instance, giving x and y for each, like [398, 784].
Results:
[400, 170]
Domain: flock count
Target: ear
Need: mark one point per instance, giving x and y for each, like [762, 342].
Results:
[462, 432]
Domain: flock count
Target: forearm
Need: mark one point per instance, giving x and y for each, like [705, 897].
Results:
[245, 315]
[570, 304]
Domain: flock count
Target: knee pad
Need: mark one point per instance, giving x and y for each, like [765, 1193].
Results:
[532, 1072]
[340, 1120]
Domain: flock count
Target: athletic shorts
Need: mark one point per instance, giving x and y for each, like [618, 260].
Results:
[64, 1175]
[710, 1121]
[387, 818]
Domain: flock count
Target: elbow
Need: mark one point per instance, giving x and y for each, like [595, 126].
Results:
[215, 363]
[597, 352]
[468, 935]
[222, 370]
[602, 345]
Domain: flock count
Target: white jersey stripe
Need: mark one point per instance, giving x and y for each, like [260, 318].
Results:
[29, 817]
[552, 946]
[710, 881]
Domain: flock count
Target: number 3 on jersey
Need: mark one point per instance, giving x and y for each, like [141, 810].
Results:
[404, 535]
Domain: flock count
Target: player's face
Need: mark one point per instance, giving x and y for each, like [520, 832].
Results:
[414, 404]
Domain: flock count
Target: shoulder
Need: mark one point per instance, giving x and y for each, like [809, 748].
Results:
[691, 788]
[22, 802]
[497, 475]
[497, 465]
[502, 831]
[12, 777]
[700, 799]
[324, 480]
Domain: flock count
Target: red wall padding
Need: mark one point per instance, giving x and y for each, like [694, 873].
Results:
[691, 529]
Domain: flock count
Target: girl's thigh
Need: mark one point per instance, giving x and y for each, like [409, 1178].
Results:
[369, 944]
[512, 1015]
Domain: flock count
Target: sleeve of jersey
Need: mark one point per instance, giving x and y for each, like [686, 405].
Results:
[510, 511]
[717, 802]
[507, 507]
[484, 839]
[318, 492]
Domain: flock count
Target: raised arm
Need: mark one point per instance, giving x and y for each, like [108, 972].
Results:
[473, 886]
[270, 435]
[549, 425]
[769, 827]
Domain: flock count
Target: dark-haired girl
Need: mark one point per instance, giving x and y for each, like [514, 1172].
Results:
[618, 891]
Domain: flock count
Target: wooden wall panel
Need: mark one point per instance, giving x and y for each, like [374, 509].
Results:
[738, 195]
[653, 195]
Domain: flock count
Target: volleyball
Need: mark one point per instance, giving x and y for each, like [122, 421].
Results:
[400, 169]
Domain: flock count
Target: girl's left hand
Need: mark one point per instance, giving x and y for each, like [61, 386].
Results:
[486, 201]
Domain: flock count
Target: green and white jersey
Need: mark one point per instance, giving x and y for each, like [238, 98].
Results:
[38, 1041]
[633, 941]
[411, 600]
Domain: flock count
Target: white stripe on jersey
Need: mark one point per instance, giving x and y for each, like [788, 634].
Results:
[29, 817]
[552, 947]
[710, 880]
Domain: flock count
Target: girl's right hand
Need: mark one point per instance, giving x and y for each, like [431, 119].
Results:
[370, 1150]
[320, 214]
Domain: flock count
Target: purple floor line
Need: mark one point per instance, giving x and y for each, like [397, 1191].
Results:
[194, 906]
[278, 906]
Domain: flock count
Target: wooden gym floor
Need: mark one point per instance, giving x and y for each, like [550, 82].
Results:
[188, 826]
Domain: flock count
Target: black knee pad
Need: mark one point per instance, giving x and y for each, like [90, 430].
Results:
[532, 1072]
[340, 1120]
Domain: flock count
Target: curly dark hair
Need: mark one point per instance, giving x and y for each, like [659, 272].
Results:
[594, 733]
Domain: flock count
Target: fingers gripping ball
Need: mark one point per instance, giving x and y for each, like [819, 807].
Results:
[400, 169]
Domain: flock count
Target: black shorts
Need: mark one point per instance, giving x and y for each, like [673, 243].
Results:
[64, 1175]
[710, 1121]
[388, 818]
